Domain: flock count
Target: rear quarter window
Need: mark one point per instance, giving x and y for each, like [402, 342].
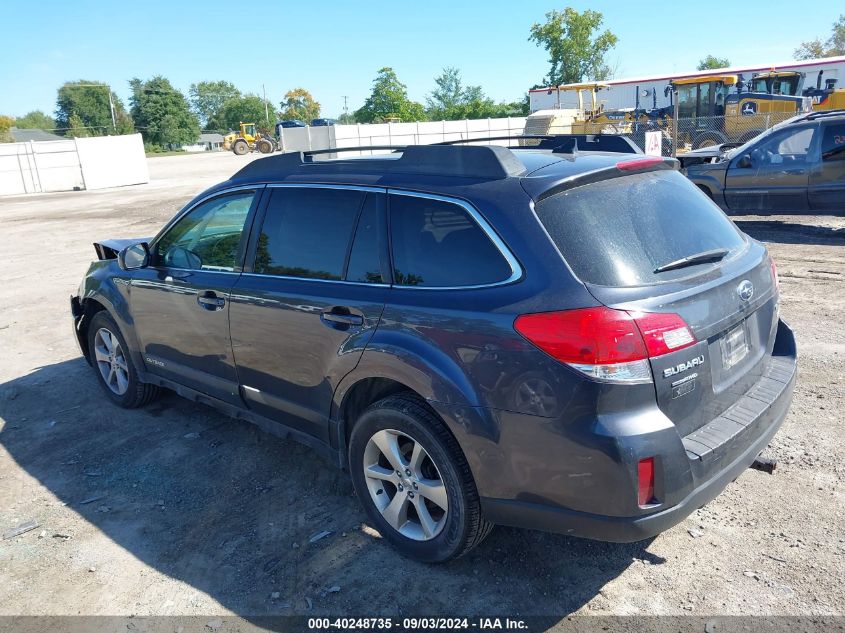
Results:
[616, 232]
[438, 244]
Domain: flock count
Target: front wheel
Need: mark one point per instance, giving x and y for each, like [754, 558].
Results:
[240, 147]
[414, 481]
[115, 372]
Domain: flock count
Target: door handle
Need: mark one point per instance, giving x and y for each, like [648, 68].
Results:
[210, 301]
[334, 317]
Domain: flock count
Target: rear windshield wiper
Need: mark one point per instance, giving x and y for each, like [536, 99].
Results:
[691, 260]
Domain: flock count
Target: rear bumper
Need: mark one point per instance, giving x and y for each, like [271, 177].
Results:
[735, 439]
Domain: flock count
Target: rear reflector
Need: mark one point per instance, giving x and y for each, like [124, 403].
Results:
[645, 481]
[663, 332]
[605, 343]
[775, 277]
[638, 163]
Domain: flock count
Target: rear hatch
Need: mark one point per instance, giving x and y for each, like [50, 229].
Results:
[651, 242]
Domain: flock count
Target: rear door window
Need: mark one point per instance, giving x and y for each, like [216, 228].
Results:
[364, 265]
[439, 244]
[833, 143]
[307, 232]
[617, 232]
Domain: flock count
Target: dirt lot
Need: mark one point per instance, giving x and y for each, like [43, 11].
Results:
[194, 513]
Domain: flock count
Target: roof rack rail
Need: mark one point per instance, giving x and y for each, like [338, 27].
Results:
[485, 162]
[824, 113]
[565, 143]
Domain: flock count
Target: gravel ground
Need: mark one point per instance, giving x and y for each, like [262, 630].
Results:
[178, 510]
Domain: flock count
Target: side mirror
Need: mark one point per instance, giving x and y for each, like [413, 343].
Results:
[134, 257]
[744, 161]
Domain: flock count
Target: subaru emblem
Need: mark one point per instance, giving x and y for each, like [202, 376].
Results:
[745, 290]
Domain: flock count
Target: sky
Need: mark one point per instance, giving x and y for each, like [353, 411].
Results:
[335, 48]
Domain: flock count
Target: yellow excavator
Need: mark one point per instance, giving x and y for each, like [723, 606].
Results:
[247, 139]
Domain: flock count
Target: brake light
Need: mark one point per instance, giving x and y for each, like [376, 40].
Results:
[775, 277]
[645, 481]
[638, 163]
[605, 343]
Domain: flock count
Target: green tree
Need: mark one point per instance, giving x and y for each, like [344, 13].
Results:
[452, 100]
[834, 45]
[207, 98]
[346, 119]
[299, 104]
[6, 129]
[710, 62]
[162, 113]
[577, 51]
[76, 127]
[389, 99]
[35, 120]
[89, 101]
[247, 108]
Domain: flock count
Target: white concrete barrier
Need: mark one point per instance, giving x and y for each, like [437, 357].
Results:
[112, 161]
[416, 133]
[84, 163]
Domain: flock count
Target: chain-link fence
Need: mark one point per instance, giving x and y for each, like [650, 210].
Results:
[686, 134]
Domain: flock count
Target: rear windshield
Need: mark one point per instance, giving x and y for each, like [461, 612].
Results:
[616, 232]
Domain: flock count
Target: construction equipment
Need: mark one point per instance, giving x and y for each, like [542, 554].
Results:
[713, 114]
[634, 122]
[789, 82]
[247, 139]
[580, 120]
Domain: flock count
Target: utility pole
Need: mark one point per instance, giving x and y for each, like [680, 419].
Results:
[266, 109]
[345, 108]
[111, 107]
[111, 101]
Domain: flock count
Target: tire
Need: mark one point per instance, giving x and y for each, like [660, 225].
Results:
[240, 147]
[749, 135]
[120, 379]
[265, 146]
[452, 531]
[708, 139]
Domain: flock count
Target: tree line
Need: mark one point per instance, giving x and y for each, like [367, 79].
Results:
[166, 117]
[578, 50]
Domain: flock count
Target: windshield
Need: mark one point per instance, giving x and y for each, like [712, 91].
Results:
[634, 230]
[776, 85]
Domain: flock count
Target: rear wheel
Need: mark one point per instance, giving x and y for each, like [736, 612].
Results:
[240, 147]
[115, 372]
[265, 146]
[414, 482]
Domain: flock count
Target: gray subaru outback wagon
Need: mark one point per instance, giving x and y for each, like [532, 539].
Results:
[568, 336]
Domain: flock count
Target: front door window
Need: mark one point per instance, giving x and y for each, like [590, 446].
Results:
[208, 237]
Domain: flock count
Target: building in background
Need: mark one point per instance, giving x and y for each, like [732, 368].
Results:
[622, 93]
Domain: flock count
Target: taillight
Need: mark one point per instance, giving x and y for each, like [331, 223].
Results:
[645, 481]
[605, 343]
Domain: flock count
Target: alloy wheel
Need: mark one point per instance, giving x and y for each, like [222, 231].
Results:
[111, 361]
[405, 485]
